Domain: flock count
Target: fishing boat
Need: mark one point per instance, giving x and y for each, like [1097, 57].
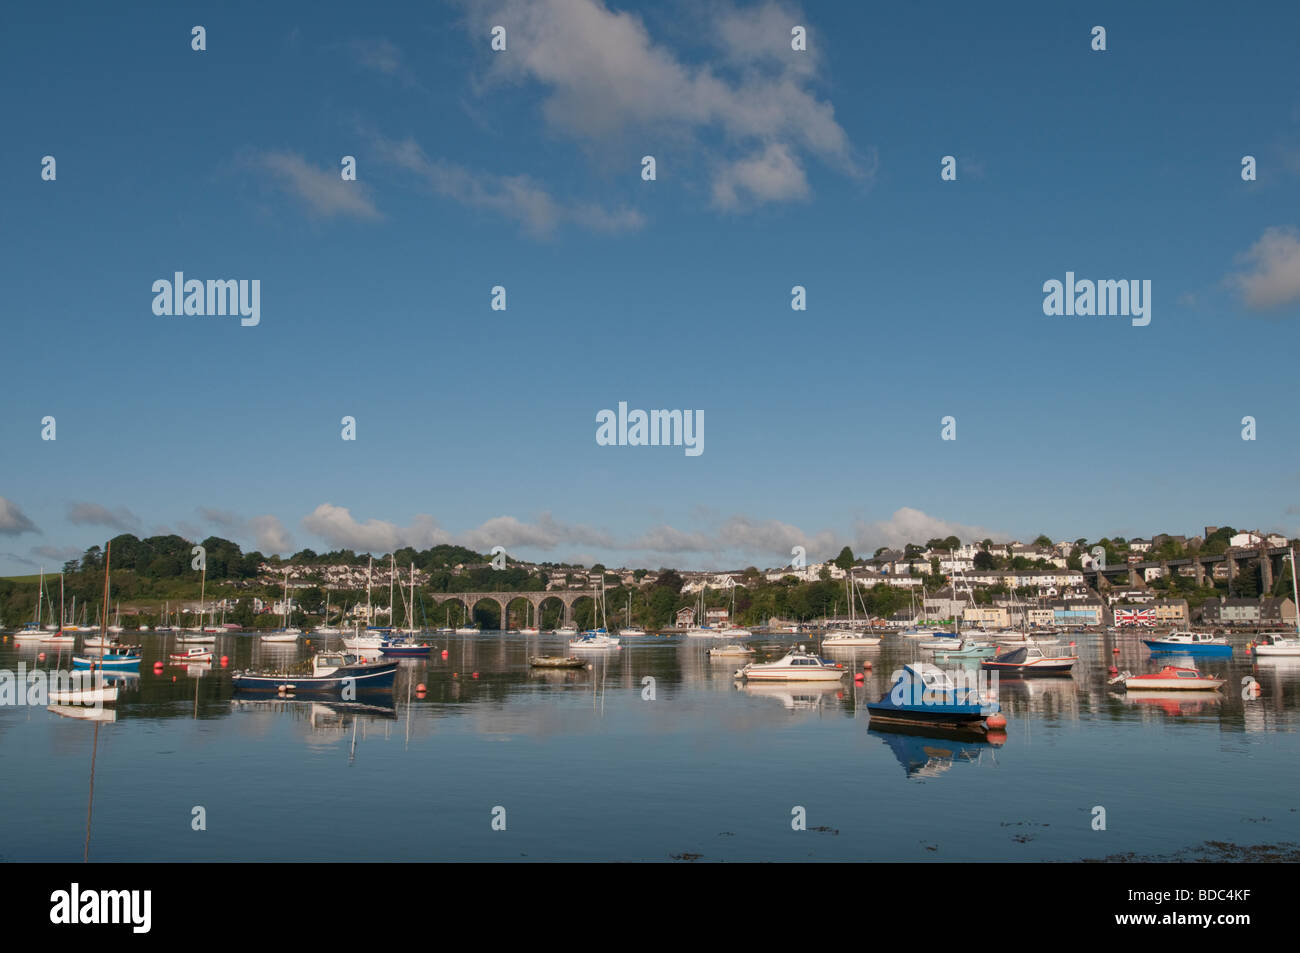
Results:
[735, 650]
[557, 661]
[125, 659]
[1169, 678]
[1190, 643]
[926, 694]
[331, 674]
[796, 666]
[1029, 660]
[196, 654]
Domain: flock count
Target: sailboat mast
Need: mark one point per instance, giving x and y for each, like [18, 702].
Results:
[1295, 593]
[108, 558]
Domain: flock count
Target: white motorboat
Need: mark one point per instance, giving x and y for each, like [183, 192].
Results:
[1276, 645]
[636, 630]
[796, 666]
[530, 630]
[850, 638]
[562, 630]
[283, 635]
[191, 637]
[734, 650]
[475, 630]
[367, 641]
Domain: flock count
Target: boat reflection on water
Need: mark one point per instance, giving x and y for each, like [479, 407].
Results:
[1171, 703]
[802, 696]
[320, 714]
[927, 751]
[84, 713]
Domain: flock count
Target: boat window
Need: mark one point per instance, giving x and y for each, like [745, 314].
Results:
[1186, 674]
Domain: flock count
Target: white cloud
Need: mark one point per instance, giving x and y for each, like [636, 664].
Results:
[13, 521]
[337, 526]
[516, 198]
[321, 190]
[773, 175]
[908, 525]
[92, 514]
[267, 532]
[608, 82]
[1274, 276]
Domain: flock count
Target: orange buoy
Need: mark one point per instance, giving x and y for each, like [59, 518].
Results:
[996, 737]
[866, 666]
[1115, 650]
[225, 660]
[1113, 671]
[173, 678]
[1071, 645]
[859, 677]
[421, 688]
[444, 653]
[996, 720]
[455, 674]
[40, 657]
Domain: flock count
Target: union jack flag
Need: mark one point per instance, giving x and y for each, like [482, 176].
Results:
[1145, 617]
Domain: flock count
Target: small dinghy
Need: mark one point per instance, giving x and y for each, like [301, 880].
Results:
[196, 654]
[1169, 678]
[925, 694]
[557, 661]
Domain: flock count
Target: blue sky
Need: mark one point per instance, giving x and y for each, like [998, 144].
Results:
[522, 169]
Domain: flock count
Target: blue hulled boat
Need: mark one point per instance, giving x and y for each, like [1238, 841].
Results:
[924, 694]
[333, 674]
[110, 661]
[401, 648]
[1190, 643]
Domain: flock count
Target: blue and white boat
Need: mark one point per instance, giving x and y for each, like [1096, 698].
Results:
[925, 694]
[332, 673]
[403, 648]
[118, 661]
[1190, 643]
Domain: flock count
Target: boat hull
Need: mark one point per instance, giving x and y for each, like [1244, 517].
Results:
[404, 651]
[106, 664]
[1188, 648]
[364, 678]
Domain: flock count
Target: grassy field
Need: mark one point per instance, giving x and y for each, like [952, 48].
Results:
[34, 577]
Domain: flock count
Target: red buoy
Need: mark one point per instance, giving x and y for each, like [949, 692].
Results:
[225, 660]
[1115, 650]
[1113, 670]
[40, 657]
[474, 675]
[996, 720]
[421, 688]
[866, 666]
[859, 677]
[444, 653]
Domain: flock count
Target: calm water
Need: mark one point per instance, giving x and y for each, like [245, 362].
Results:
[587, 769]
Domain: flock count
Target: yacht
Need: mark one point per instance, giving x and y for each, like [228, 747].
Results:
[1190, 643]
[1029, 660]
